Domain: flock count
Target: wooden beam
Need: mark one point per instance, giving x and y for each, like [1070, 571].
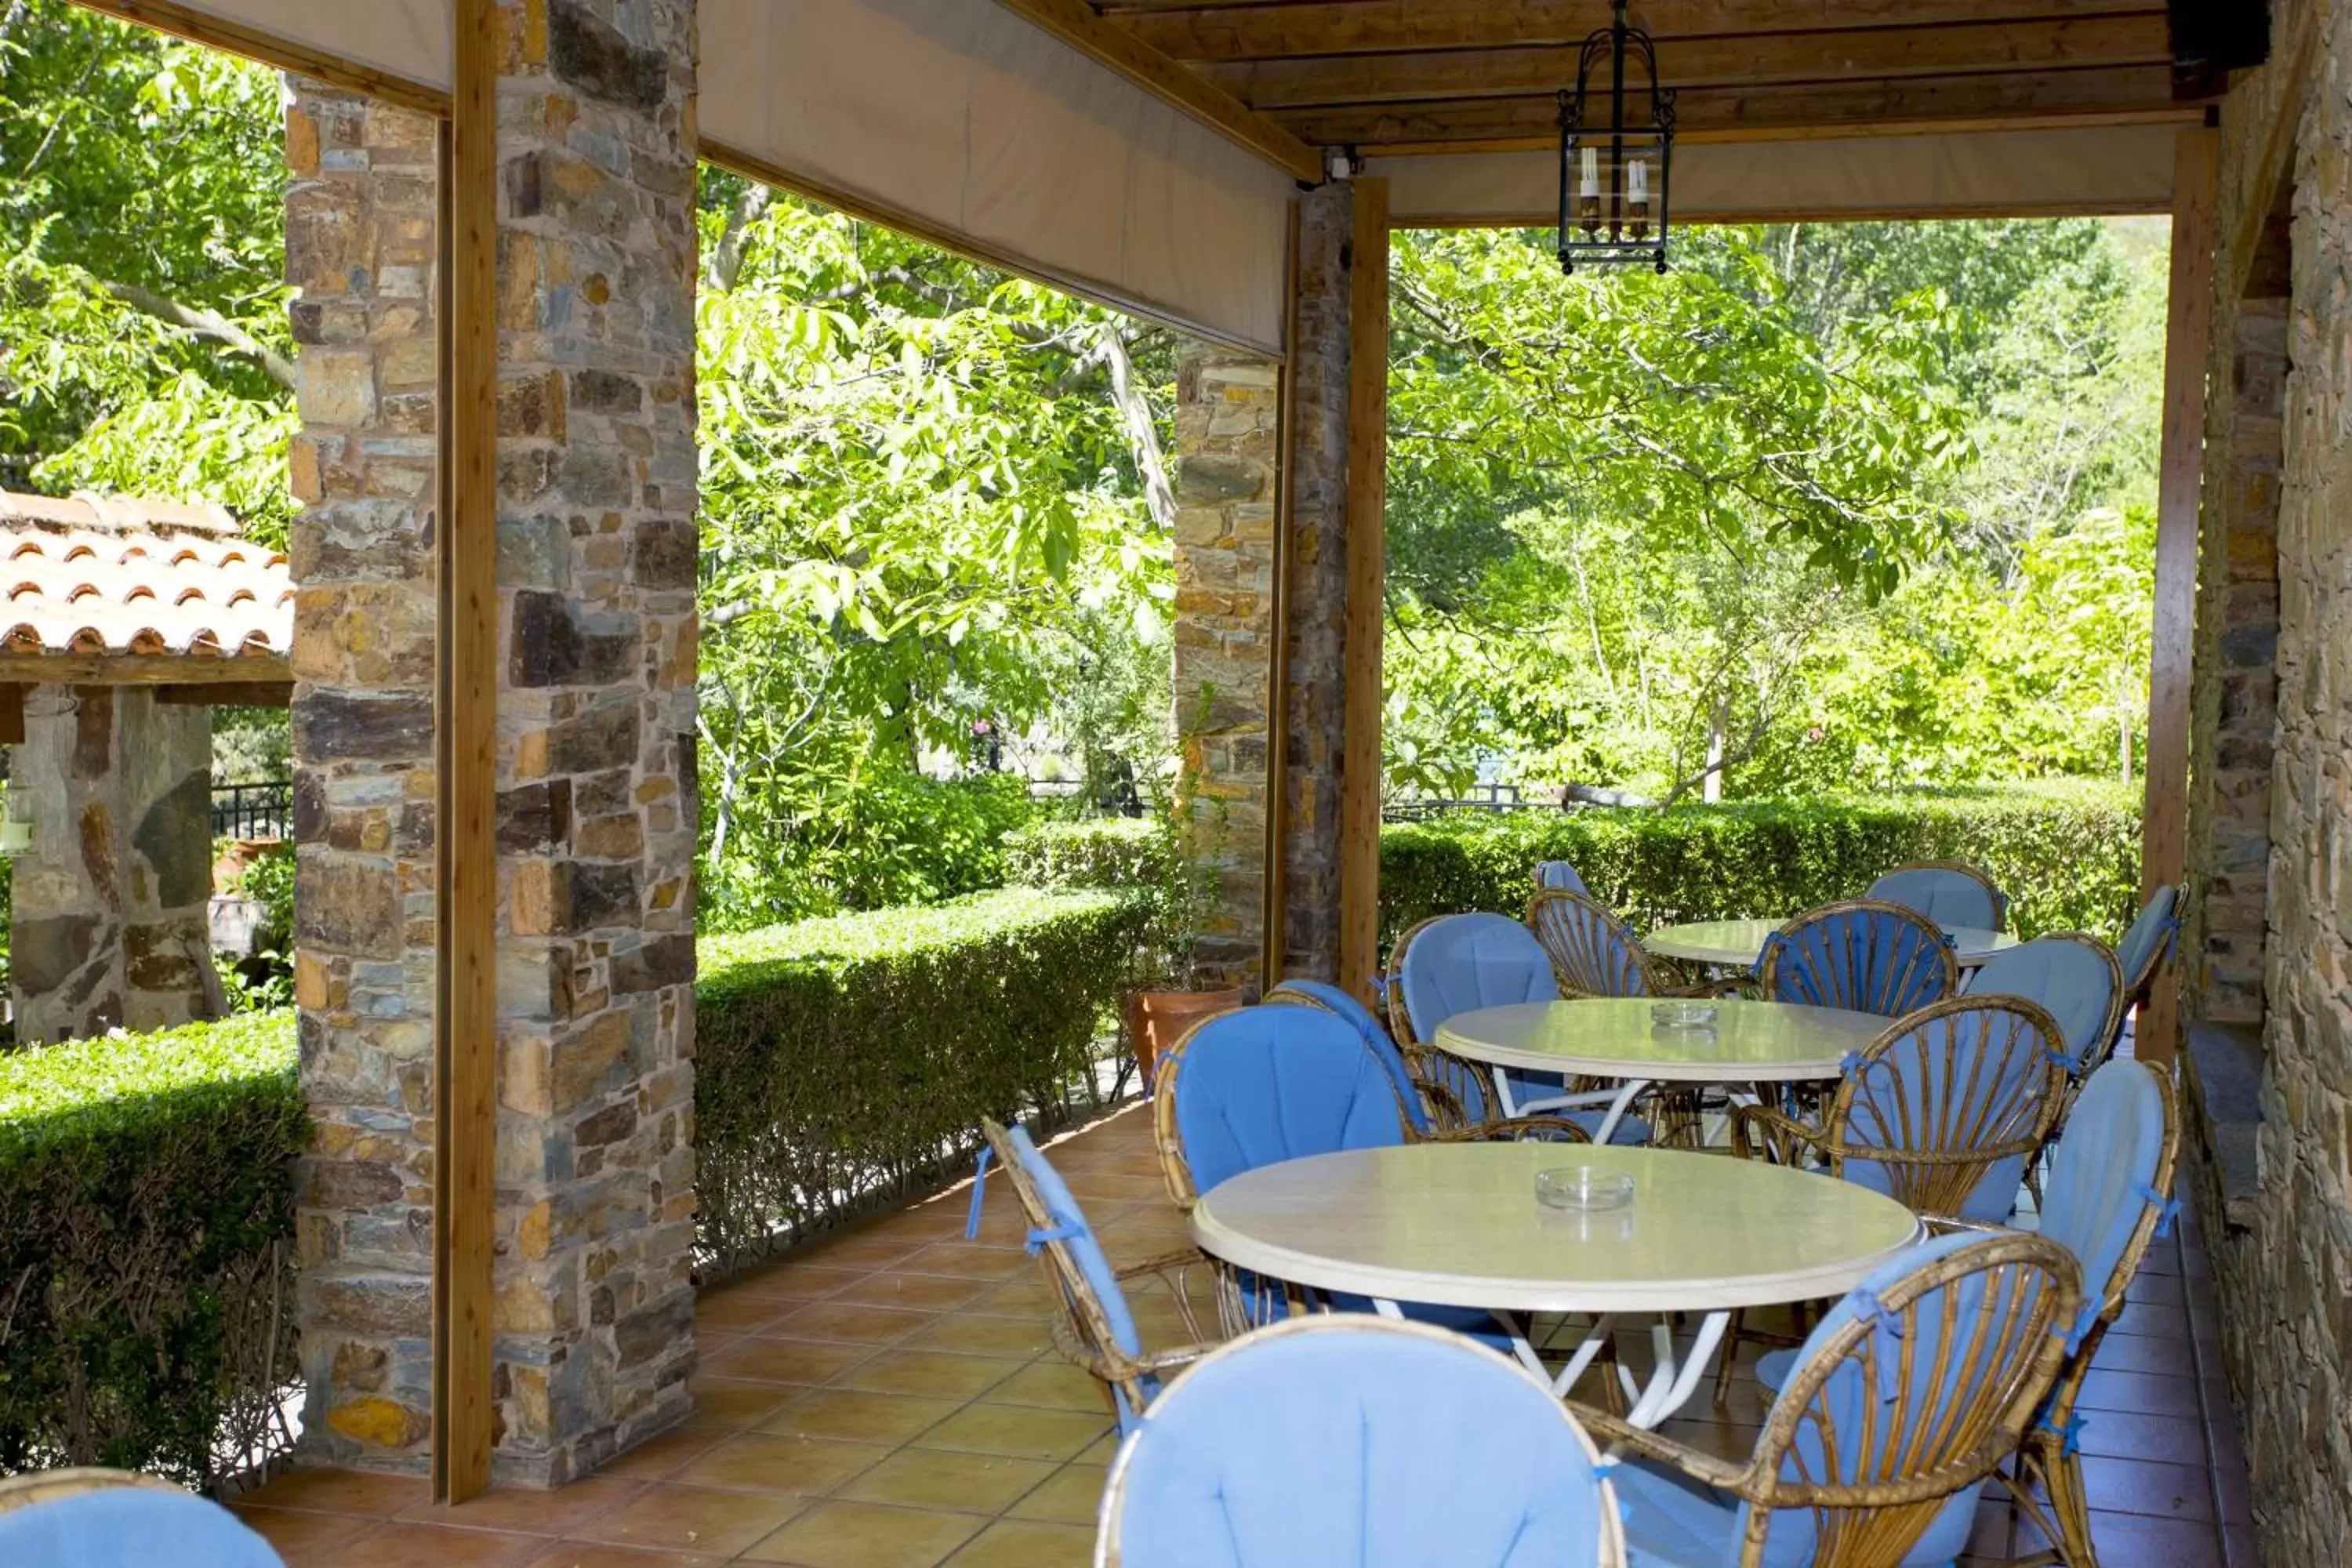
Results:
[1226, 32]
[145, 669]
[248, 694]
[12, 715]
[1273, 928]
[2123, 95]
[285, 54]
[1367, 534]
[464, 1103]
[2179, 484]
[1077, 24]
[1859, 54]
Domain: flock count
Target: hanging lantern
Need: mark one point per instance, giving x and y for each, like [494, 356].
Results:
[1614, 152]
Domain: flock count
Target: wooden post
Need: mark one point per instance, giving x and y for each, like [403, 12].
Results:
[2180, 482]
[1359, 756]
[464, 1104]
[1272, 936]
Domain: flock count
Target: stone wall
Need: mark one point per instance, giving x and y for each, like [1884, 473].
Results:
[596, 821]
[2284, 1274]
[107, 925]
[360, 251]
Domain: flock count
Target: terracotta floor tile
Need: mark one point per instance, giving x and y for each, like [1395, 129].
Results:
[1071, 1495]
[2238, 1546]
[398, 1545]
[2157, 1289]
[1018, 1339]
[736, 1402]
[2147, 1393]
[1021, 1297]
[532, 1510]
[921, 1292]
[933, 1477]
[793, 1281]
[692, 1519]
[770, 1358]
[865, 1249]
[657, 1457]
[766, 1461]
[930, 1373]
[590, 1555]
[1989, 1537]
[2151, 1318]
[2141, 1486]
[2121, 1435]
[290, 1532]
[2133, 1541]
[2144, 1353]
[855, 1416]
[969, 1260]
[851, 1322]
[1017, 1431]
[866, 1535]
[325, 1490]
[1052, 1384]
[1093, 1187]
[1025, 1543]
[732, 1310]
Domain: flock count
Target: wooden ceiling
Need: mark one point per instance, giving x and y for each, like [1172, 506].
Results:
[1444, 76]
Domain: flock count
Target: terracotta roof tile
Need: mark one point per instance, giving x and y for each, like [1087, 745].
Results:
[99, 574]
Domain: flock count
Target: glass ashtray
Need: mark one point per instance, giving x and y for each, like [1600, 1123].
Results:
[1681, 1014]
[1587, 1189]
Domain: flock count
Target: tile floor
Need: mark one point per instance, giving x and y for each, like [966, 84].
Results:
[889, 1399]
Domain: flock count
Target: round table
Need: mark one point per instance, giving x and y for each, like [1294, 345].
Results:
[1457, 1225]
[1748, 1042]
[1737, 944]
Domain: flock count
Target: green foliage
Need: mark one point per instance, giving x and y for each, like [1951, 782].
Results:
[1115, 852]
[140, 178]
[146, 1239]
[2069, 858]
[838, 1059]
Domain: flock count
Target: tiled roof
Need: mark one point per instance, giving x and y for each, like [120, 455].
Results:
[108, 574]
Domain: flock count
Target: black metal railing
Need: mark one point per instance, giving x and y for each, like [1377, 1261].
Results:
[260, 810]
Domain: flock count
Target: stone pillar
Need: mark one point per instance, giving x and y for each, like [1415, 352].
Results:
[596, 572]
[359, 251]
[108, 927]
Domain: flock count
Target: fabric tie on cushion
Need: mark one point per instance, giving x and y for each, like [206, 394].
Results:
[979, 1189]
[2167, 1209]
[1066, 1231]
[1886, 1334]
[1381, 986]
[2069, 1433]
[2060, 1060]
[2084, 1322]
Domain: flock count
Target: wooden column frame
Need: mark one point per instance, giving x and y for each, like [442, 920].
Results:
[1367, 535]
[1273, 934]
[465, 1102]
[2179, 485]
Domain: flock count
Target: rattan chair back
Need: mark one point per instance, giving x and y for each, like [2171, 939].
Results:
[1863, 955]
[1593, 952]
[1948, 892]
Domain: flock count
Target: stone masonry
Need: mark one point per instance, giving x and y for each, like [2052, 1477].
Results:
[594, 1320]
[2282, 1253]
[360, 251]
[1227, 441]
[108, 927]
[597, 481]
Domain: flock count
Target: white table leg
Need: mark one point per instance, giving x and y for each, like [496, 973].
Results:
[1625, 1093]
[1616, 1100]
[1520, 1345]
[1596, 1339]
[1674, 1380]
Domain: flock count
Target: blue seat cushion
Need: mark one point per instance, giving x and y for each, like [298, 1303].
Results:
[131, 1527]
[1674, 1521]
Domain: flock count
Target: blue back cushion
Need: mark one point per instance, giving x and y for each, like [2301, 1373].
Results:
[1274, 1083]
[131, 1527]
[1561, 873]
[1466, 962]
[2145, 936]
[1353, 1448]
[1930, 1081]
[1947, 898]
[1375, 1037]
[1085, 1246]
[2068, 980]
[1863, 960]
[2102, 1170]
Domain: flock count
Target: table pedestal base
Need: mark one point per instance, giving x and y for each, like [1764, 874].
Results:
[1673, 1379]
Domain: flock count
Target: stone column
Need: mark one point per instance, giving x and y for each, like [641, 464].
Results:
[109, 927]
[360, 250]
[597, 571]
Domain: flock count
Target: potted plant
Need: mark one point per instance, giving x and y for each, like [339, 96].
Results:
[1171, 994]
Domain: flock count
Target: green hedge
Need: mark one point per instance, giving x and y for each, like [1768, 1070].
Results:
[1098, 852]
[2068, 859]
[146, 1230]
[836, 1059]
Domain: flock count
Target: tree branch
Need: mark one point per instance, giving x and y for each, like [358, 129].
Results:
[207, 326]
[726, 256]
[1142, 432]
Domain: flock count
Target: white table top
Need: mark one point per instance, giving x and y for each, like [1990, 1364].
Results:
[1738, 944]
[1750, 1042]
[1457, 1225]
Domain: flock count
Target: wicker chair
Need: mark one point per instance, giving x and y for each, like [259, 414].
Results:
[1951, 893]
[1899, 1407]
[2076, 979]
[1864, 956]
[86, 1518]
[1593, 952]
[1452, 964]
[1357, 1441]
[1093, 1326]
[2146, 945]
[1561, 873]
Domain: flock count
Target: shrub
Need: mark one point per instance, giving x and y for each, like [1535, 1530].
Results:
[146, 1249]
[840, 1058]
[2069, 860]
[1118, 852]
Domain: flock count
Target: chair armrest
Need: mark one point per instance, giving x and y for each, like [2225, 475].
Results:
[1947, 1225]
[1182, 1259]
[1615, 1434]
[1515, 1130]
[1761, 1130]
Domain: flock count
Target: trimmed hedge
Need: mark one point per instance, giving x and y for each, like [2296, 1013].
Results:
[146, 1249]
[2068, 859]
[839, 1059]
[1117, 852]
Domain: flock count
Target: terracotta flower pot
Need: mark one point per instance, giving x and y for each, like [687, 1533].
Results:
[1157, 1019]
